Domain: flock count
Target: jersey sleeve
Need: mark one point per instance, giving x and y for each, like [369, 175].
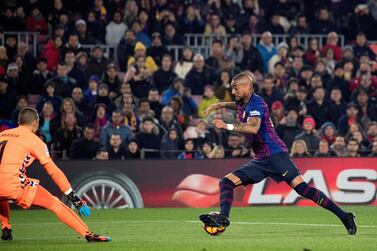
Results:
[256, 111]
[39, 150]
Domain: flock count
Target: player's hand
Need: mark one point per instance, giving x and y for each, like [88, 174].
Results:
[80, 205]
[218, 123]
[211, 108]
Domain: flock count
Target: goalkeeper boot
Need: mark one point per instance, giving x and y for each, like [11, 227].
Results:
[6, 234]
[215, 219]
[350, 223]
[91, 237]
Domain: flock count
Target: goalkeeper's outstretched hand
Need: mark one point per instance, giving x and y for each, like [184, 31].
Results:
[79, 204]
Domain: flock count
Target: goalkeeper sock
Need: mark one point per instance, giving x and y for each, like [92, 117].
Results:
[5, 214]
[319, 198]
[226, 196]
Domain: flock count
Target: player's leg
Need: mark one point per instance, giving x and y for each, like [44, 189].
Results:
[45, 200]
[6, 228]
[312, 193]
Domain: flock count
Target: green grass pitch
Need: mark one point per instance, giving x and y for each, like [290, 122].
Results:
[253, 228]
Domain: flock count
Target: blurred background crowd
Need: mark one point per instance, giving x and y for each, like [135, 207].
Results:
[108, 85]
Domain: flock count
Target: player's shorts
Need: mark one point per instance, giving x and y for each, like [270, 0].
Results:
[278, 166]
[25, 196]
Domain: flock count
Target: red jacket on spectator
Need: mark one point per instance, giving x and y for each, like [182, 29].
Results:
[337, 50]
[33, 24]
[52, 54]
[355, 83]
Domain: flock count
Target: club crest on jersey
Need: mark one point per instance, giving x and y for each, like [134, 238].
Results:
[254, 113]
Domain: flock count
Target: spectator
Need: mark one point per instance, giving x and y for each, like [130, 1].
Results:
[170, 144]
[69, 106]
[318, 107]
[280, 76]
[299, 149]
[36, 22]
[115, 149]
[133, 151]
[8, 100]
[324, 150]
[140, 78]
[332, 43]
[184, 65]
[66, 134]
[209, 98]
[328, 132]
[144, 109]
[223, 90]
[90, 95]
[96, 27]
[125, 49]
[154, 102]
[102, 154]
[367, 111]
[267, 49]
[115, 29]
[98, 62]
[164, 77]
[215, 60]
[301, 26]
[82, 106]
[148, 138]
[73, 44]
[337, 106]
[234, 147]
[52, 52]
[313, 53]
[103, 97]
[49, 95]
[140, 35]
[40, 76]
[277, 113]
[199, 76]
[361, 47]
[206, 149]
[328, 57]
[112, 80]
[116, 126]
[74, 71]
[339, 147]
[218, 152]
[84, 37]
[21, 103]
[339, 82]
[3, 59]
[176, 89]
[353, 148]
[281, 56]
[229, 64]
[189, 151]
[85, 147]
[192, 21]
[268, 92]
[63, 83]
[157, 50]
[48, 123]
[168, 121]
[371, 130]
[214, 27]
[274, 26]
[323, 23]
[350, 117]
[288, 128]
[130, 117]
[308, 135]
[374, 150]
[99, 120]
[171, 37]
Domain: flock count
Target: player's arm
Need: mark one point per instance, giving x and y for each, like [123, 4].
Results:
[220, 105]
[250, 127]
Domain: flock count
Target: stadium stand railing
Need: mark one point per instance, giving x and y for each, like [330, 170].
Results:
[30, 39]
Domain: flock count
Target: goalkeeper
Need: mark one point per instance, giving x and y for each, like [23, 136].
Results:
[18, 149]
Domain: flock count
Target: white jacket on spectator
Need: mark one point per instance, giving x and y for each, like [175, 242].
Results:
[182, 68]
[115, 32]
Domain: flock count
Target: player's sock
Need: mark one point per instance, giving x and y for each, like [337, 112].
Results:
[5, 214]
[226, 196]
[45, 200]
[320, 198]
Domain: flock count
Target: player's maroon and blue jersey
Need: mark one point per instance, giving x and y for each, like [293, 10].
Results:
[266, 142]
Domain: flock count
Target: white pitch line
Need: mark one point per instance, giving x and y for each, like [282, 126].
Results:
[196, 222]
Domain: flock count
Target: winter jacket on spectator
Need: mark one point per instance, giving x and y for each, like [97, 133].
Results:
[39, 80]
[52, 54]
[288, 133]
[337, 50]
[8, 102]
[343, 124]
[115, 32]
[79, 76]
[169, 148]
[168, 94]
[84, 149]
[182, 68]
[55, 100]
[205, 102]
[110, 129]
[340, 83]
[125, 50]
[97, 66]
[156, 52]
[266, 52]
[64, 140]
[165, 127]
[360, 50]
[336, 111]
[149, 141]
[323, 26]
[189, 106]
[163, 79]
[63, 85]
[311, 140]
[120, 154]
[36, 24]
[319, 112]
[196, 80]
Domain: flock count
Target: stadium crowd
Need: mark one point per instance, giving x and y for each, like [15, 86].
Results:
[322, 99]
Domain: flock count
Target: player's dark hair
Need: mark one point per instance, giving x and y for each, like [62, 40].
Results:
[27, 116]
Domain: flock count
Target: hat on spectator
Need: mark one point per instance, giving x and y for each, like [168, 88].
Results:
[80, 21]
[94, 78]
[103, 86]
[140, 46]
[352, 104]
[112, 66]
[309, 120]
[133, 140]
[276, 105]
[347, 48]
[326, 124]
[12, 66]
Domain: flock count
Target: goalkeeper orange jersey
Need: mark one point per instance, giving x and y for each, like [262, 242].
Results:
[19, 147]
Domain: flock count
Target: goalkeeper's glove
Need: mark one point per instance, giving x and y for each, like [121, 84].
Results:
[79, 204]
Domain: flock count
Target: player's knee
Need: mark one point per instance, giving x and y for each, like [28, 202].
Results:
[225, 182]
